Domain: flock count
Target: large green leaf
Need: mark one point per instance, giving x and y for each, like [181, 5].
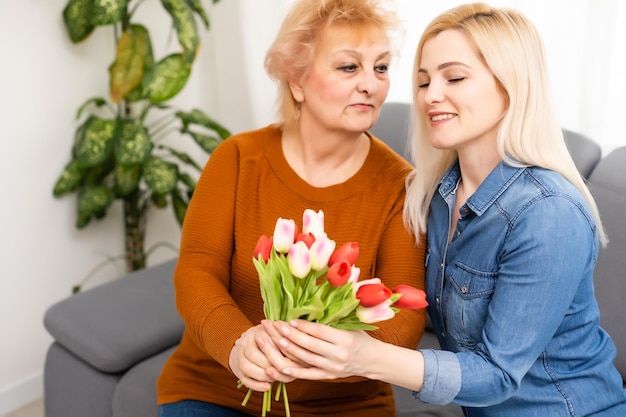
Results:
[93, 202]
[166, 78]
[108, 12]
[198, 117]
[126, 71]
[185, 25]
[126, 179]
[160, 175]
[77, 19]
[133, 144]
[96, 141]
[69, 179]
[143, 45]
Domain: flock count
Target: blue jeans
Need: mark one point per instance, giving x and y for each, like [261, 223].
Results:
[192, 408]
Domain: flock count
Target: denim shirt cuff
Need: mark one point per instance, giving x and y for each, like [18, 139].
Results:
[442, 377]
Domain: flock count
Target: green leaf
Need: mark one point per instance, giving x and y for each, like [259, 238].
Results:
[108, 12]
[159, 200]
[143, 46]
[96, 141]
[69, 179]
[93, 202]
[77, 19]
[133, 144]
[187, 180]
[185, 25]
[196, 6]
[183, 157]
[126, 71]
[207, 142]
[126, 179]
[98, 101]
[180, 206]
[161, 176]
[198, 117]
[166, 78]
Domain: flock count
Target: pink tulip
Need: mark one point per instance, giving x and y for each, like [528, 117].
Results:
[263, 248]
[376, 313]
[320, 252]
[349, 252]
[411, 297]
[339, 274]
[284, 234]
[354, 275]
[313, 222]
[299, 259]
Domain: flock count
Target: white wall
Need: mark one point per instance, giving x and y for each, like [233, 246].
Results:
[45, 78]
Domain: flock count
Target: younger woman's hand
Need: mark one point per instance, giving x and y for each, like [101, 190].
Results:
[320, 351]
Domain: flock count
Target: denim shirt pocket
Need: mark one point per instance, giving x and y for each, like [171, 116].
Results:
[469, 293]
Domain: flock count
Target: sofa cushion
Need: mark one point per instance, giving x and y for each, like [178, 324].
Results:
[135, 395]
[131, 318]
[608, 186]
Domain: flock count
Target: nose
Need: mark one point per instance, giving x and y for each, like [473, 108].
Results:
[368, 83]
[433, 93]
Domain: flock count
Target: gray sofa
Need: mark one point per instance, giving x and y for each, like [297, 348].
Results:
[111, 341]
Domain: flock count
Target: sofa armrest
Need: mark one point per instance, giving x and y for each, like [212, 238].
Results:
[116, 325]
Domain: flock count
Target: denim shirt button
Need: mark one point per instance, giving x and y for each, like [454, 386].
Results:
[464, 289]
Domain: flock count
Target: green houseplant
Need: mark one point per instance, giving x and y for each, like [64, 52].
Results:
[118, 151]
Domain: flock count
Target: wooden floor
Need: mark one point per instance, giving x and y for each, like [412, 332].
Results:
[34, 409]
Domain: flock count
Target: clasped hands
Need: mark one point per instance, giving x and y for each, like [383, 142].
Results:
[280, 351]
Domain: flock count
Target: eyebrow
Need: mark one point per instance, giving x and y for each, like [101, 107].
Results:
[356, 53]
[447, 65]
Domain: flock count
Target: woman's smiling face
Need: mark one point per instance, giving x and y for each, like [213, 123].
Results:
[457, 93]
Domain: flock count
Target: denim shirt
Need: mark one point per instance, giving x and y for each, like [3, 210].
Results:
[511, 300]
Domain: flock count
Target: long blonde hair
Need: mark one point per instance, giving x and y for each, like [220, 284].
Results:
[290, 55]
[529, 134]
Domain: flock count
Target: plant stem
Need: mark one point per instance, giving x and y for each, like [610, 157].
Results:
[135, 230]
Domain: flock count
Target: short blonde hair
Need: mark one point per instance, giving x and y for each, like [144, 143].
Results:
[291, 53]
[529, 135]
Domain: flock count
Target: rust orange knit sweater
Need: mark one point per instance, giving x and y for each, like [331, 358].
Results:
[246, 185]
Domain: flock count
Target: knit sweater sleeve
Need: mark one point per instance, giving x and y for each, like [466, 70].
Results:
[202, 277]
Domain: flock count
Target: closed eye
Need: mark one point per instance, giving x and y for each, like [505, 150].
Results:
[456, 80]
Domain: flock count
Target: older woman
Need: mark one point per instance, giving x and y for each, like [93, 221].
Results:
[331, 59]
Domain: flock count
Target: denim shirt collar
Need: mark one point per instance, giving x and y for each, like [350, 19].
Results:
[498, 180]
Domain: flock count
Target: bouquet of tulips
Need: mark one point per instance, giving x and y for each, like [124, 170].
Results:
[301, 275]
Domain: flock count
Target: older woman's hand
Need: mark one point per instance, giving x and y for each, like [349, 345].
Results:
[249, 362]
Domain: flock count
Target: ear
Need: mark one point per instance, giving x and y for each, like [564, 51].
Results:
[296, 90]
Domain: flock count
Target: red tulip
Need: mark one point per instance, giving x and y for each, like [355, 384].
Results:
[411, 297]
[307, 238]
[348, 252]
[263, 248]
[372, 294]
[339, 274]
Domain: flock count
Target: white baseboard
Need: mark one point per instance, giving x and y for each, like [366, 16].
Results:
[21, 393]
